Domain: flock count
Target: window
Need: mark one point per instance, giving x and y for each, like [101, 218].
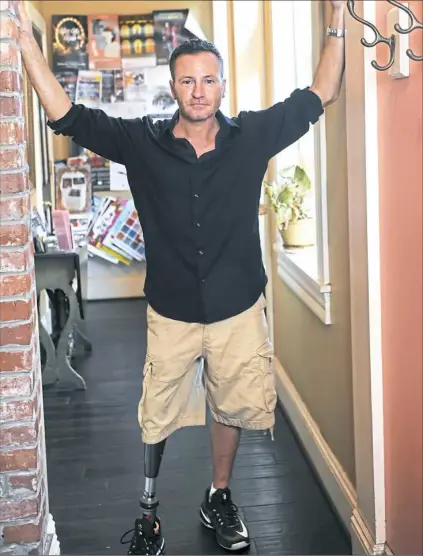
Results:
[297, 32]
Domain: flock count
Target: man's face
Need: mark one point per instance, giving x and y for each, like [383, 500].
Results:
[198, 87]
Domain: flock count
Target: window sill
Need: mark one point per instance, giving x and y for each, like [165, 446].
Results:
[314, 295]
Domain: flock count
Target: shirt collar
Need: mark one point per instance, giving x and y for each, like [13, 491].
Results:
[225, 123]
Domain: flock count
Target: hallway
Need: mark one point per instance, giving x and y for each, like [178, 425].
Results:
[95, 463]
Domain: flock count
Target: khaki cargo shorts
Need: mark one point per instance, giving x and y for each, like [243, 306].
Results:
[236, 380]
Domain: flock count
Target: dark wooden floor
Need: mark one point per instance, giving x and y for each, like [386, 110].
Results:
[95, 463]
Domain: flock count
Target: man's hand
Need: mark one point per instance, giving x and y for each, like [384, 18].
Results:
[25, 24]
[328, 77]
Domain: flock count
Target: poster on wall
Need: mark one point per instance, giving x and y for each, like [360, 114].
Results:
[161, 103]
[103, 42]
[169, 32]
[112, 89]
[88, 88]
[135, 84]
[138, 48]
[69, 37]
[68, 80]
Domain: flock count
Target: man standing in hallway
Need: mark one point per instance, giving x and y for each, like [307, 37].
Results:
[196, 182]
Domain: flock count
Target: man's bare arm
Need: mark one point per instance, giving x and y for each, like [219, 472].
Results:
[52, 96]
[328, 77]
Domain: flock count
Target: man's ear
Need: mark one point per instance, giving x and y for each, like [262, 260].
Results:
[223, 88]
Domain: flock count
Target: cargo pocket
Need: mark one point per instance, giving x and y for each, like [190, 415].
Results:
[147, 372]
[265, 354]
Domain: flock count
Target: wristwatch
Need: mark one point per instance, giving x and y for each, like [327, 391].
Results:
[338, 33]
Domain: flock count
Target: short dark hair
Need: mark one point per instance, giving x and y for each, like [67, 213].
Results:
[193, 46]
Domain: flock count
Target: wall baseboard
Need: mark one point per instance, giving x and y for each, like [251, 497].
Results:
[335, 481]
[53, 544]
[362, 539]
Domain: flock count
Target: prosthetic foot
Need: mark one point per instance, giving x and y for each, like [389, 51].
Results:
[147, 536]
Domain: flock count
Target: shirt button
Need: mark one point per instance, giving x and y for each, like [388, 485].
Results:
[196, 195]
[200, 252]
[198, 224]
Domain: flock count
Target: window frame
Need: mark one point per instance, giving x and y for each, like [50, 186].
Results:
[316, 294]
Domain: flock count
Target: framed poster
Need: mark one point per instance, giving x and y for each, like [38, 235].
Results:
[103, 42]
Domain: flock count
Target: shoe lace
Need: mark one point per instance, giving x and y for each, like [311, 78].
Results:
[229, 512]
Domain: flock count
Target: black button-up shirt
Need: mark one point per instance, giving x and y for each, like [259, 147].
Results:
[200, 216]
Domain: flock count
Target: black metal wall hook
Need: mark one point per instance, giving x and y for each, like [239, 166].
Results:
[414, 24]
[379, 38]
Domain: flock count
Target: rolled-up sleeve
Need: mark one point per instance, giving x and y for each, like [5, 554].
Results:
[286, 122]
[93, 129]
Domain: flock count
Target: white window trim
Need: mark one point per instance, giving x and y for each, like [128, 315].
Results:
[316, 295]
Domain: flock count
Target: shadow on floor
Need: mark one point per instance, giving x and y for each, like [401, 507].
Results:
[95, 462]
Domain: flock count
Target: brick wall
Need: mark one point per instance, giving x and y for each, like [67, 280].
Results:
[23, 479]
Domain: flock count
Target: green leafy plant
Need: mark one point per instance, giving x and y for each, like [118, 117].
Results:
[287, 196]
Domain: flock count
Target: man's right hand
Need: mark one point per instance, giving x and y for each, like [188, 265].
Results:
[55, 101]
[25, 24]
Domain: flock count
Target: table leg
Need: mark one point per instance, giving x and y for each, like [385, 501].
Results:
[66, 374]
[49, 375]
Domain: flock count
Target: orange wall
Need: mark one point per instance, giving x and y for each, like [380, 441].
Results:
[400, 166]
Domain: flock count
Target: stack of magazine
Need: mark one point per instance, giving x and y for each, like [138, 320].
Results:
[114, 232]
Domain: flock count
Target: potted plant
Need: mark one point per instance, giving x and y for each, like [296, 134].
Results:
[288, 198]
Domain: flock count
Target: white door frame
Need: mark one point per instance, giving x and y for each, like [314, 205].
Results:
[368, 521]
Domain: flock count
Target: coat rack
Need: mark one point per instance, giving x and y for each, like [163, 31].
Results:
[389, 41]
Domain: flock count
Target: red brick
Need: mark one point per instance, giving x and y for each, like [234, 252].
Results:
[12, 132]
[8, 54]
[14, 235]
[12, 158]
[18, 460]
[16, 411]
[15, 361]
[26, 533]
[20, 284]
[15, 260]
[14, 208]
[23, 484]
[15, 310]
[10, 82]
[16, 335]
[15, 386]
[8, 28]
[14, 183]
[18, 435]
[19, 509]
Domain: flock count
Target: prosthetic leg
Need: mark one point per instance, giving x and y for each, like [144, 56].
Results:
[147, 535]
[149, 502]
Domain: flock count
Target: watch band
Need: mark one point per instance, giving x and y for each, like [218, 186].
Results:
[338, 33]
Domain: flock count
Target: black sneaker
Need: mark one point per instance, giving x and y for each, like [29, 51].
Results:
[220, 514]
[146, 539]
